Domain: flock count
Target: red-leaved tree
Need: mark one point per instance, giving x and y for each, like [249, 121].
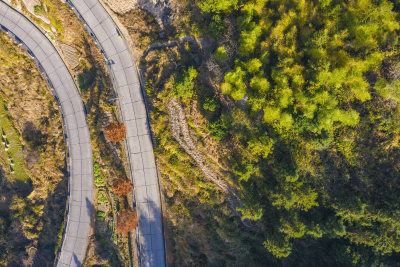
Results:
[126, 221]
[115, 132]
[122, 186]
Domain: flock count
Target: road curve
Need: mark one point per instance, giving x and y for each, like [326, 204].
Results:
[76, 131]
[134, 115]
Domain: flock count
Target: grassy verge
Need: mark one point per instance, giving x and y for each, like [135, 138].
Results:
[11, 146]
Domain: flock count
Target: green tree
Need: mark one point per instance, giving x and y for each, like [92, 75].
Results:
[184, 85]
[217, 6]
[211, 104]
[261, 147]
[234, 84]
[221, 54]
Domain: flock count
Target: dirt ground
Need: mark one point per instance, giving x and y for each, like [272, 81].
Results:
[121, 6]
[158, 8]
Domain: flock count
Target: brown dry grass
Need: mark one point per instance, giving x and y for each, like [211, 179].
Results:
[120, 6]
[32, 109]
[30, 103]
[142, 27]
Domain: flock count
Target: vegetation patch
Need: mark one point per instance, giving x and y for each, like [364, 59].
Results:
[295, 101]
[11, 146]
[34, 190]
[39, 10]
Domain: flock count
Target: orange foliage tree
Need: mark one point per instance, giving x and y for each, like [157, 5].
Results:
[122, 186]
[126, 221]
[115, 132]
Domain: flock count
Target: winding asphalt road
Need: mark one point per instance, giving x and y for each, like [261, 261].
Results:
[76, 131]
[134, 115]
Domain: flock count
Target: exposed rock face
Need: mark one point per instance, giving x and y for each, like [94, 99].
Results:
[158, 8]
[180, 132]
[120, 6]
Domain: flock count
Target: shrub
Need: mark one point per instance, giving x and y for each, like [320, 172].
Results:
[101, 197]
[126, 221]
[210, 104]
[115, 132]
[234, 84]
[218, 5]
[39, 10]
[218, 130]
[33, 135]
[122, 186]
[221, 54]
[100, 215]
[98, 179]
[216, 27]
[184, 86]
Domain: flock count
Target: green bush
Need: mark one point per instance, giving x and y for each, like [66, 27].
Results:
[218, 130]
[100, 215]
[184, 85]
[98, 179]
[216, 26]
[210, 104]
[101, 197]
[221, 54]
[39, 10]
[218, 5]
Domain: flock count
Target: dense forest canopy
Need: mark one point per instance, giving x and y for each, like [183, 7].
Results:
[319, 131]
